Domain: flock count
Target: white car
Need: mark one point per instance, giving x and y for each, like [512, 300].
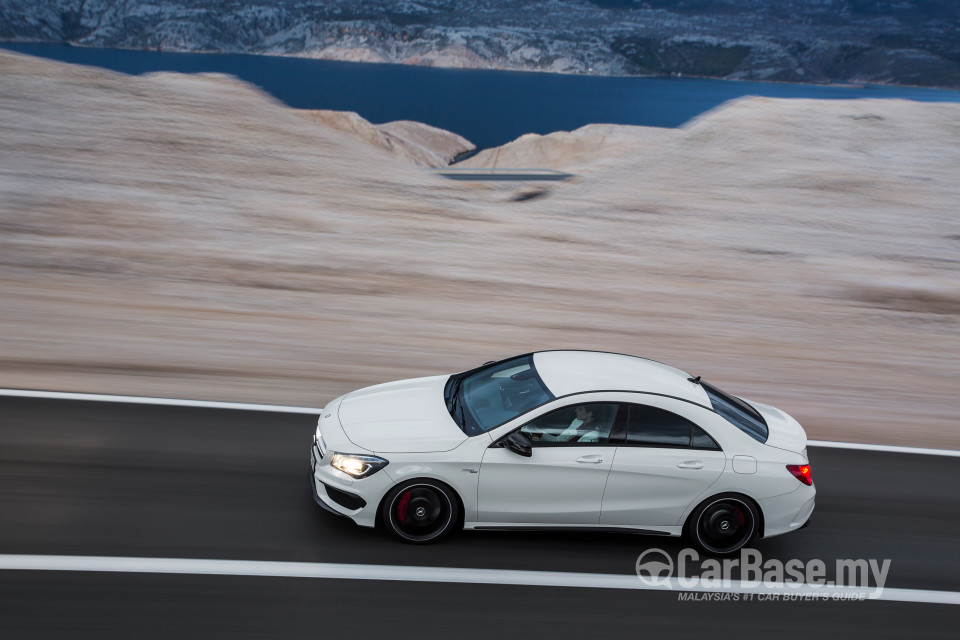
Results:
[563, 440]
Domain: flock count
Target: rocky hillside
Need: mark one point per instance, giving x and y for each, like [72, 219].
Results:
[914, 42]
[415, 142]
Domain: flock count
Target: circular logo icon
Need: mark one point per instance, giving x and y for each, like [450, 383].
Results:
[655, 567]
[421, 512]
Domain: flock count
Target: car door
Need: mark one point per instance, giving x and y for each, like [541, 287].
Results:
[664, 463]
[562, 482]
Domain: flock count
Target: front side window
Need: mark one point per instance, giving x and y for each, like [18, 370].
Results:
[655, 427]
[578, 424]
[487, 397]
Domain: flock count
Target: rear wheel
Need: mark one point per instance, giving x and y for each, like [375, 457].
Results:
[420, 511]
[723, 524]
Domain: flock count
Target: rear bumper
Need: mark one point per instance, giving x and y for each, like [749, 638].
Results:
[789, 512]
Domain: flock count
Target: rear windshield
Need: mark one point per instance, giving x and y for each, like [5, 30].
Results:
[737, 412]
[485, 398]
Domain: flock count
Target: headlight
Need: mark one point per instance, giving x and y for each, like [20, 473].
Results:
[357, 465]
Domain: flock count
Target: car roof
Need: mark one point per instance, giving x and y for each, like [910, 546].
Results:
[569, 372]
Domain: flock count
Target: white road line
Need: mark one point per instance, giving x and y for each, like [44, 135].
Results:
[883, 447]
[170, 402]
[258, 568]
[274, 408]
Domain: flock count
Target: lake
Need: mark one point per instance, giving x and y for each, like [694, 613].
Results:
[489, 108]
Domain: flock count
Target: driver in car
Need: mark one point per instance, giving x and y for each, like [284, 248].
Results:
[581, 429]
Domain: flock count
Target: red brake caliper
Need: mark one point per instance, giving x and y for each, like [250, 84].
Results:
[402, 507]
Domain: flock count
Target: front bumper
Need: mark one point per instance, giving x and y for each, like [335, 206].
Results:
[341, 495]
[319, 500]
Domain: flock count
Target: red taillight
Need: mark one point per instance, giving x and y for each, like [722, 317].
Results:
[801, 472]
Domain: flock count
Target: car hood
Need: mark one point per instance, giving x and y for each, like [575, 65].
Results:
[785, 432]
[408, 416]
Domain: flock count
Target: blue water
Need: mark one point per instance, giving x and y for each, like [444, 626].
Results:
[488, 108]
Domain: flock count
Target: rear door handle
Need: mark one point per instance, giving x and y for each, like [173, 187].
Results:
[590, 459]
[690, 464]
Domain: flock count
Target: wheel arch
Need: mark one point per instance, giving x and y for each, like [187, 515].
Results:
[726, 494]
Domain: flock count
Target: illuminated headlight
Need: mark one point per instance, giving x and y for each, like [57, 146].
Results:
[356, 465]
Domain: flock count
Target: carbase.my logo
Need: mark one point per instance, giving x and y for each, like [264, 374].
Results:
[749, 571]
[655, 567]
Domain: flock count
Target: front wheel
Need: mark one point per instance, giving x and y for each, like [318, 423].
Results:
[723, 524]
[420, 511]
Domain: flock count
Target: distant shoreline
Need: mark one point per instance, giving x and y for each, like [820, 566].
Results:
[846, 84]
[487, 107]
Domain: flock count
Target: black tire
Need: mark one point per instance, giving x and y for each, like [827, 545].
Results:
[723, 524]
[420, 511]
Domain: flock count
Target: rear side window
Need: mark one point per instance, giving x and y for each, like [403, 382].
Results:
[654, 427]
[737, 412]
[701, 440]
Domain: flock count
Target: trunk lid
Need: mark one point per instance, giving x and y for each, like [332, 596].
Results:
[785, 432]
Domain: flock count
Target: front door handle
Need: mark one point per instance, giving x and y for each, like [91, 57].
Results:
[590, 459]
[690, 464]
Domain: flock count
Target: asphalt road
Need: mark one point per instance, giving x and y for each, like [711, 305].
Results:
[91, 478]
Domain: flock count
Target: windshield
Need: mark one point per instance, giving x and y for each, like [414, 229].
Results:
[737, 412]
[484, 398]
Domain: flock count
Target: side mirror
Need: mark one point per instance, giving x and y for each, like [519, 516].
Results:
[519, 443]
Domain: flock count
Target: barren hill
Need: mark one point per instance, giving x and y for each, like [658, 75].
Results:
[415, 142]
[188, 236]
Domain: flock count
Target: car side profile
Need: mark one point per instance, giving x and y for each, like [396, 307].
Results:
[563, 440]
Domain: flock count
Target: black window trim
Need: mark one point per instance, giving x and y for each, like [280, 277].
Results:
[497, 443]
[583, 393]
[538, 444]
[618, 437]
[642, 445]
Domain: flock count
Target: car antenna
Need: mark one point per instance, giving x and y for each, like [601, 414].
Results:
[694, 380]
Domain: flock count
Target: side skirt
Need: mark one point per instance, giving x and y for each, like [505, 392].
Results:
[566, 529]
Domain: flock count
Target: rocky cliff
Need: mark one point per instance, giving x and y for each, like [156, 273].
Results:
[915, 42]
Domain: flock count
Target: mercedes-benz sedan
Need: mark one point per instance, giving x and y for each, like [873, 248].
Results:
[563, 440]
